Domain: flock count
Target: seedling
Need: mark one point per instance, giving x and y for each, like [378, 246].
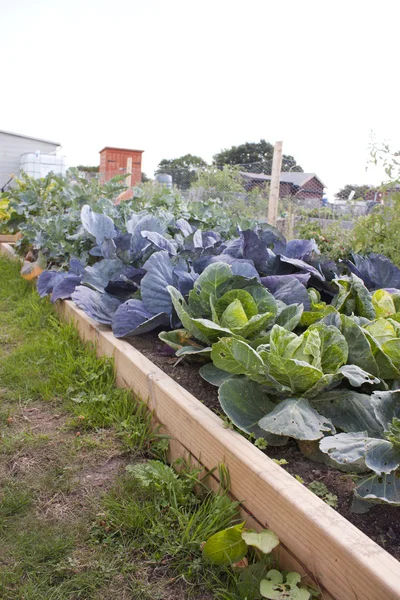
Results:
[319, 489]
[280, 461]
[250, 552]
[275, 587]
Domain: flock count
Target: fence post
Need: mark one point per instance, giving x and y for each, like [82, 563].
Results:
[128, 180]
[275, 180]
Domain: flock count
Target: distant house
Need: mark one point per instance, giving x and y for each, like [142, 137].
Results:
[373, 194]
[304, 186]
[14, 145]
[382, 194]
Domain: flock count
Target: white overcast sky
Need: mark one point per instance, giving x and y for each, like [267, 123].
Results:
[183, 76]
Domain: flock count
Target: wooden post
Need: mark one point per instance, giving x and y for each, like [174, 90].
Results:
[128, 180]
[275, 181]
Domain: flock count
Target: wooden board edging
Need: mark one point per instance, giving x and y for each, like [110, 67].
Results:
[9, 238]
[8, 250]
[344, 562]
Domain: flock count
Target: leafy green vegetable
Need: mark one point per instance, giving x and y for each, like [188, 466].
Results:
[353, 298]
[226, 547]
[238, 358]
[383, 303]
[275, 587]
[246, 403]
[380, 489]
[297, 419]
[393, 432]
[154, 262]
[265, 541]
[318, 311]
[289, 317]
[290, 364]
[349, 411]
[366, 351]
[222, 304]
[378, 454]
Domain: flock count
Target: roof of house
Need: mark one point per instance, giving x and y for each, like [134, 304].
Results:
[120, 149]
[299, 179]
[28, 137]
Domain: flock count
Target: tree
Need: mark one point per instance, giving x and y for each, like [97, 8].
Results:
[88, 169]
[183, 169]
[261, 152]
[360, 192]
[220, 181]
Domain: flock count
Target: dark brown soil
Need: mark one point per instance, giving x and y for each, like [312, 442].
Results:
[185, 373]
[381, 523]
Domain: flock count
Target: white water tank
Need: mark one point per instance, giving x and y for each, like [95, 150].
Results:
[39, 165]
[165, 179]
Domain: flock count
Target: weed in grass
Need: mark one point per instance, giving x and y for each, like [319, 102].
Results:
[154, 511]
[129, 416]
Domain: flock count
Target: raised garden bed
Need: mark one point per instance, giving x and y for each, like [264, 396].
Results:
[315, 539]
[381, 524]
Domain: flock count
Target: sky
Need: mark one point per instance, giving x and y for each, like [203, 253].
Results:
[182, 76]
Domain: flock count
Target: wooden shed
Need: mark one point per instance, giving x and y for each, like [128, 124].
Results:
[113, 161]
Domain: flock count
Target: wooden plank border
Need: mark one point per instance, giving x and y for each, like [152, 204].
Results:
[9, 238]
[8, 250]
[345, 563]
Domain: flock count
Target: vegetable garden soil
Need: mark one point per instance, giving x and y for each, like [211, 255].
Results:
[381, 523]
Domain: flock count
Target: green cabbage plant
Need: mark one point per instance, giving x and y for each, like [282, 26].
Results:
[223, 304]
[296, 365]
[274, 391]
[374, 345]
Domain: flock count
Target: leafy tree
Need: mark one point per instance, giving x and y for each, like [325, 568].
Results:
[94, 169]
[220, 181]
[261, 152]
[360, 191]
[183, 169]
[227, 187]
[378, 231]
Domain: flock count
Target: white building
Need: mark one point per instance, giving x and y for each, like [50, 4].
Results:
[36, 156]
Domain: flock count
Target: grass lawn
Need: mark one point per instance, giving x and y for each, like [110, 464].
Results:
[88, 507]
